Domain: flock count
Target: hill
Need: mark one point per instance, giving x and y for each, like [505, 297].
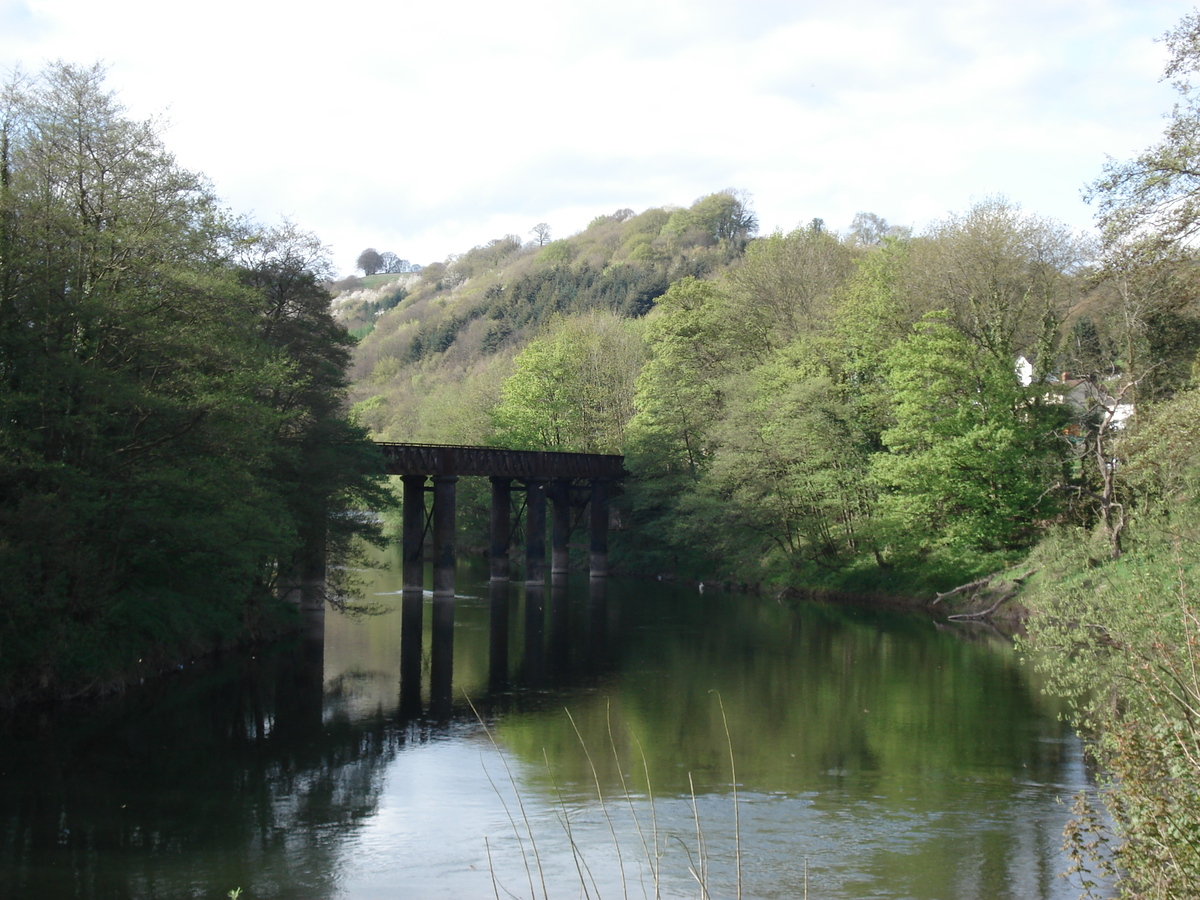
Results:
[435, 346]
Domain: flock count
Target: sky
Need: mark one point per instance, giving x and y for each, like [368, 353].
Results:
[426, 128]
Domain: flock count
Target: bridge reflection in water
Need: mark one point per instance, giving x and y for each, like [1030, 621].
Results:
[570, 481]
[536, 638]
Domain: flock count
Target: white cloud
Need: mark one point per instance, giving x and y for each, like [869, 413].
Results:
[426, 129]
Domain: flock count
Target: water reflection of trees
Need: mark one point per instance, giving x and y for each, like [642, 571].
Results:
[259, 772]
[252, 772]
[808, 693]
[194, 786]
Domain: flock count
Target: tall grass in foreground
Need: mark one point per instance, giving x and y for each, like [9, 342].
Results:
[651, 842]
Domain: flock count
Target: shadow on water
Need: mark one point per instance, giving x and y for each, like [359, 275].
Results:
[320, 769]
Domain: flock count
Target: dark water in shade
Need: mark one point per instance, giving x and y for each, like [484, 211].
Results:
[876, 756]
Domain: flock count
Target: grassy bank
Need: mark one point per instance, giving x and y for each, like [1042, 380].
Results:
[1120, 638]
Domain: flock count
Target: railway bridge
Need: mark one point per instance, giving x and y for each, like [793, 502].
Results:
[568, 480]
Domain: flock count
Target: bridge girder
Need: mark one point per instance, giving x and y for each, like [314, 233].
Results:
[449, 460]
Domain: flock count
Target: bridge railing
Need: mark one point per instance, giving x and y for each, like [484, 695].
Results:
[451, 459]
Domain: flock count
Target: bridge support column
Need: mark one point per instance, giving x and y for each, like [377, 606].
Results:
[535, 531]
[501, 526]
[443, 535]
[414, 532]
[560, 527]
[599, 529]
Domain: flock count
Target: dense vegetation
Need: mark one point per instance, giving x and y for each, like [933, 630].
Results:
[171, 384]
[814, 408]
[848, 411]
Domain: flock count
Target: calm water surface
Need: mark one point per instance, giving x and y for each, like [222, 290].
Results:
[576, 742]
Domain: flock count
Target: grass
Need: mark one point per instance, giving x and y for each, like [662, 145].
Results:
[653, 842]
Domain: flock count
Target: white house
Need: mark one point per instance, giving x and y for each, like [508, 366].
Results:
[1085, 396]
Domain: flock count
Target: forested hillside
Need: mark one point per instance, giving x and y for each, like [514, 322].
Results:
[436, 347]
[811, 408]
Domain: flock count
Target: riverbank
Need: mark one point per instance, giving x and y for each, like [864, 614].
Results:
[994, 598]
[120, 671]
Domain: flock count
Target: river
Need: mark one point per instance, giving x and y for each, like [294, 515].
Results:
[620, 739]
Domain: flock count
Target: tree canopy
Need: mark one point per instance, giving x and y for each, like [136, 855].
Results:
[370, 261]
[167, 374]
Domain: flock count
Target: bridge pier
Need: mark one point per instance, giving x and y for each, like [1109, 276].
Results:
[501, 530]
[535, 531]
[413, 546]
[598, 567]
[560, 527]
[443, 535]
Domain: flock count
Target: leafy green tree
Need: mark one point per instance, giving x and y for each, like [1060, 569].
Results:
[970, 456]
[725, 216]
[322, 463]
[1006, 278]
[785, 287]
[1154, 199]
[790, 465]
[694, 345]
[572, 389]
[148, 391]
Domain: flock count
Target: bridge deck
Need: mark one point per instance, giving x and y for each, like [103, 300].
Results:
[445, 459]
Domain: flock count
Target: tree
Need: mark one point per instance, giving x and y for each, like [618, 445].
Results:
[573, 388]
[1006, 278]
[370, 261]
[1154, 199]
[391, 264]
[541, 233]
[151, 393]
[322, 463]
[970, 457]
[790, 464]
[129, 366]
[786, 284]
[723, 216]
[869, 229]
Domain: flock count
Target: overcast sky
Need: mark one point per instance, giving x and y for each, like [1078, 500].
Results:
[428, 128]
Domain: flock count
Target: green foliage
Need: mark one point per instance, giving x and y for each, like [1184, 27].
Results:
[721, 217]
[785, 287]
[791, 466]
[463, 320]
[1120, 637]
[970, 457]
[783, 397]
[1005, 277]
[1163, 455]
[168, 380]
[1122, 640]
[572, 389]
[1154, 199]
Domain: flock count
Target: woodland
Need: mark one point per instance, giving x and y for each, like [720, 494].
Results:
[188, 401]
[174, 442]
